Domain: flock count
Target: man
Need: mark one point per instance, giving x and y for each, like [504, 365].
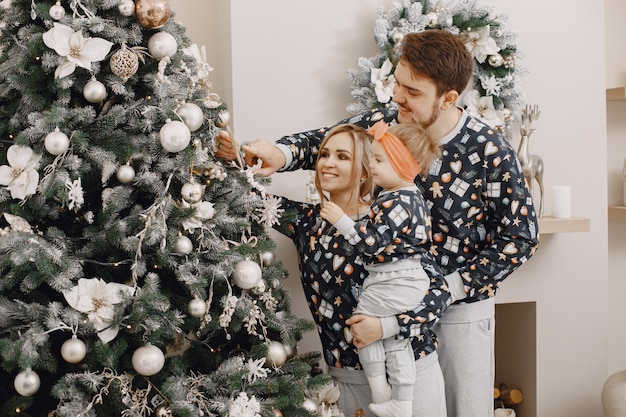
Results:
[484, 221]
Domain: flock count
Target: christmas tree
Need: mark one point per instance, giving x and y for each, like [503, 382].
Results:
[137, 274]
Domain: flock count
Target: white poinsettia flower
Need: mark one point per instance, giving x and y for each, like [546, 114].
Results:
[256, 369]
[480, 44]
[326, 399]
[204, 211]
[76, 49]
[97, 299]
[20, 176]
[383, 81]
[482, 107]
[242, 406]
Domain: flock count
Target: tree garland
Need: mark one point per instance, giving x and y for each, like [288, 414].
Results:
[495, 95]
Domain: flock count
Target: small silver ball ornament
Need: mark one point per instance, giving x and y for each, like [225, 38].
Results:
[267, 258]
[94, 91]
[161, 45]
[174, 136]
[310, 405]
[276, 355]
[192, 115]
[196, 308]
[126, 8]
[192, 192]
[56, 142]
[222, 119]
[397, 37]
[57, 11]
[148, 360]
[73, 350]
[495, 60]
[183, 245]
[125, 174]
[247, 274]
[27, 383]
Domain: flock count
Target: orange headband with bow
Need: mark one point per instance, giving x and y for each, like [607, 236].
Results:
[399, 156]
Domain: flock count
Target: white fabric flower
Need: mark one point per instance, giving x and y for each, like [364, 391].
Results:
[256, 369]
[204, 211]
[492, 85]
[20, 176]
[97, 299]
[242, 406]
[75, 193]
[76, 49]
[271, 211]
[326, 399]
[482, 107]
[480, 44]
[383, 82]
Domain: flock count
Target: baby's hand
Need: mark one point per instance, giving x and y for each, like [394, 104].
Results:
[331, 212]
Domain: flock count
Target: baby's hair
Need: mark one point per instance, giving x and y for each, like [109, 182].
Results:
[421, 145]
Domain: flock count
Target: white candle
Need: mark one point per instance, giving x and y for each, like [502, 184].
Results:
[561, 201]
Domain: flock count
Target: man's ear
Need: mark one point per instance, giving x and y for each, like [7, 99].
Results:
[449, 99]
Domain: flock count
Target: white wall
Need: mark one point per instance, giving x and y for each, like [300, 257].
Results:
[287, 63]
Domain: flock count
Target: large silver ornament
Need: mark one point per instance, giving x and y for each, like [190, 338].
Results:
[94, 91]
[27, 383]
[192, 115]
[161, 45]
[174, 136]
[125, 174]
[197, 308]
[57, 11]
[276, 355]
[247, 274]
[56, 142]
[73, 350]
[126, 7]
[183, 245]
[148, 360]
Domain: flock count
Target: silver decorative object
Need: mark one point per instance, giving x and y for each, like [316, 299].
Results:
[531, 164]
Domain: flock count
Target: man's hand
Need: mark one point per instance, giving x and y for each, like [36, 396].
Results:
[271, 157]
[365, 330]
[331, 212]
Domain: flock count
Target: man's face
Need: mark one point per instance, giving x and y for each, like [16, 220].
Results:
[415, 96]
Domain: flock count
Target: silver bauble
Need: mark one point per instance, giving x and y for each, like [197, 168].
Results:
[56, 142]
[57, 11]
[162, 44]
[125, 174]
[222, 119]
[174, 136]
[266, 258]
[397, 37]
[197, 308]
[276, 355]
[148, 360]
[247, 274]
[192, 115]
[94, 91]
[192, 192]
[183, 245]
[163, 411]
[27, 383]
[292, 350]
[126, 7]
[310, 405]
[73, 350]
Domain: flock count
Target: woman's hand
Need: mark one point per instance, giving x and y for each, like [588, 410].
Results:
[365, 329]
[331, 212]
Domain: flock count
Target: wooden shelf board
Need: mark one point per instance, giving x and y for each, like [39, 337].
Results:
[617, 212]
[616, 94]
[549, 224]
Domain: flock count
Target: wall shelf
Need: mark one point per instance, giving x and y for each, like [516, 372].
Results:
[618, 212]
[549, 224]
[616, 94]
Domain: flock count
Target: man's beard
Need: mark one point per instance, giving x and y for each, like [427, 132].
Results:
[433, 118]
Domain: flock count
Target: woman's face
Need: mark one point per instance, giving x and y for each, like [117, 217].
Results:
[335, 165]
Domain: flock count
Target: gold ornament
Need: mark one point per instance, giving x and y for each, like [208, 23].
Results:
[124, 62]
[152, 13]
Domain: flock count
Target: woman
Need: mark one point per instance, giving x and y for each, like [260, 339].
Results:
[333, 273]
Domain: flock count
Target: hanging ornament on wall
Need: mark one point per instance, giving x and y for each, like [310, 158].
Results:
[94, 91]
[196, 308]
[276, 355]
[183, 245]
[27, 383]
[124, 62]
[247, 274]
[126, 7]
[125, 174]
[56, 142]
[148, 360]
[152, 13]
[57, 11]
[73, 350]
[174, 136]
[192, 115]
[162, 44]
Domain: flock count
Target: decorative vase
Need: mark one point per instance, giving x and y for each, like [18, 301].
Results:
[614, 395]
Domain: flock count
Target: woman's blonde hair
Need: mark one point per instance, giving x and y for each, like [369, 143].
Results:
[361, 173]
